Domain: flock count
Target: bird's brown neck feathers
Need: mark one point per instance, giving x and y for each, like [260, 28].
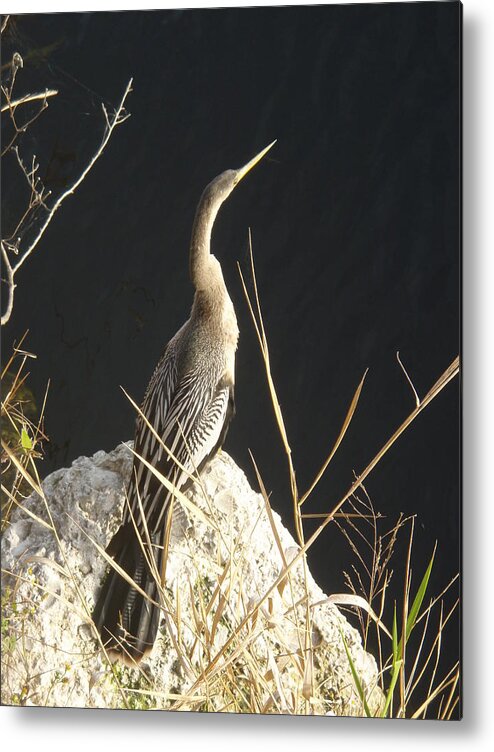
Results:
[204, 273]
[212, 304]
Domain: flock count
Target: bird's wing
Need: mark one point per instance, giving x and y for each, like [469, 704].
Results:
[189, 423]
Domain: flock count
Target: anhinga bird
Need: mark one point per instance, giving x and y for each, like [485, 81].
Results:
[189, 402]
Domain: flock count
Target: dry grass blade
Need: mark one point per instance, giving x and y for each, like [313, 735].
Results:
[269, 511]
[16, 350]
[279, 545]
[415, 394]
[347, 599]
[308, 682]
[435, 647]
[344, 428]
[27, 511]
[145, 544]
[444, 379]
[222, 603]
[451, 701]
[109, 560]
[181, 498]
[438, 597]
[261, 335]
[181, 466]
[438, 654]
[22, 470]
[448, 681]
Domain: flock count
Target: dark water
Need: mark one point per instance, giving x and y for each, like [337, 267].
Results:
[355, 223]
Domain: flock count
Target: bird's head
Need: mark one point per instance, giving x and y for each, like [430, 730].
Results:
[205, 271]
[220, 188]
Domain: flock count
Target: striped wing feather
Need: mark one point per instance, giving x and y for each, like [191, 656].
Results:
[189, 414]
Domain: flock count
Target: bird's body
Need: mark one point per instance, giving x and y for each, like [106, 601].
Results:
[189, 403]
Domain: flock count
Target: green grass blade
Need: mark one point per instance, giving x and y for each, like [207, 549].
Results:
[392, 685]
[356, 677]
[417, 601]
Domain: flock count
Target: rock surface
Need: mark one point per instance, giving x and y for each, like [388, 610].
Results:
[224, 556]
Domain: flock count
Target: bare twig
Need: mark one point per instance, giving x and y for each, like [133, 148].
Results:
[29, 98]
[9, 280]
[111, 122]
[38, 195]
[7, 90]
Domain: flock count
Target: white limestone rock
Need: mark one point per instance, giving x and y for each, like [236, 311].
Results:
[222, 560]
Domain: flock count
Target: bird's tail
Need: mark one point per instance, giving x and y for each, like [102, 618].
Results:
[126, 620]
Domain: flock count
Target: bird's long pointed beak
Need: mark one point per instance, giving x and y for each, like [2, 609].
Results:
[242, 171]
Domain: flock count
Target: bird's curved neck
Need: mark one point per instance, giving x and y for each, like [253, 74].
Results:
[205, 271]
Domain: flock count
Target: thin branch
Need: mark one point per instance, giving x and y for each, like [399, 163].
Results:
[33, 180]
[29, 98]
[9, 281]
[118, 117]
[15, 65]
